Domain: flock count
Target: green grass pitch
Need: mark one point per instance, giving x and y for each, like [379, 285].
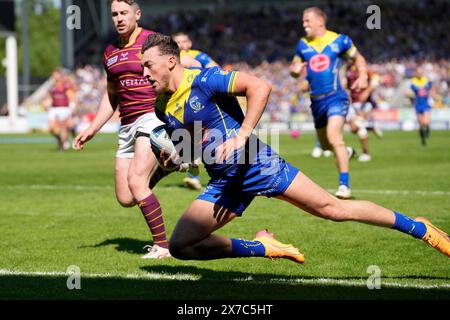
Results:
[59, 209]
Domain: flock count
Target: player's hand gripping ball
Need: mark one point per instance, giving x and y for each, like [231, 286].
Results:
[163, 148]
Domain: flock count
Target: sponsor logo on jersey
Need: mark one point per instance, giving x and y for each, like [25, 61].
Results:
[319, 62]
[334, 47]
[422, 92]
[195, 104]
[221, 72]
[309, 49]
[111, 61]
[134, 82]
[124, 56]
[170, 121]
[178, 109]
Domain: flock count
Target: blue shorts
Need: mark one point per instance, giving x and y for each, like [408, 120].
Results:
[336, 104]
[237, 192]
[422, 108]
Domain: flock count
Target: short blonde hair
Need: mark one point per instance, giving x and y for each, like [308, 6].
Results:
[132, 3]
[318, 12]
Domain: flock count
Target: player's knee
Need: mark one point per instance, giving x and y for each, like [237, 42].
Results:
[126, 202]
[136, 184]
[362, 133]
[336, 142]
[336, 212]
[179, 250]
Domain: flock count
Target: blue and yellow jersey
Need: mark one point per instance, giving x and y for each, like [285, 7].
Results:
[201, 57]
[204, 106]
[324, 58]
[421, 88]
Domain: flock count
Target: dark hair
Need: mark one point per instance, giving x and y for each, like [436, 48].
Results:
[132, 3]
[318, 12]
[167, 46]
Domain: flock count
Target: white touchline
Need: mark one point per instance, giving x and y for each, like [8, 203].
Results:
[150, 276]
[98, 187]
[193, 277]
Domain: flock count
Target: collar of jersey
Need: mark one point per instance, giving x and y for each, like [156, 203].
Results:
[181, 95]
[132, 41]
[319, 44]
[420, 82]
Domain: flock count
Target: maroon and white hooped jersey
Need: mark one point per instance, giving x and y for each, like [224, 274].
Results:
[59, 94]
[124, 68]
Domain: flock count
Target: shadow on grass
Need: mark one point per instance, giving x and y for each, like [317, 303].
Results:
[128, 245]
[209, 285]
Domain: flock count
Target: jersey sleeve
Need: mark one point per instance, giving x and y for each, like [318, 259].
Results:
[298, 53]
[348, 49]
[218, 82]
[105, 66]
[204, 59]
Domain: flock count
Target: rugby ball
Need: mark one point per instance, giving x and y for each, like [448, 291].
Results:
[159, 140]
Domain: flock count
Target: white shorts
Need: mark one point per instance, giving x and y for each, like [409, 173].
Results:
[127, 134]
[357, 107]
[59, 113]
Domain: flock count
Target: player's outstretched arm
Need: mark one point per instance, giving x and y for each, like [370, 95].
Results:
[104, 113]
[363, 79]
[188, 62]
[296, 68]
[257, 92]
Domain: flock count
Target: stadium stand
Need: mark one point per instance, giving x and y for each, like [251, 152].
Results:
[261, 40]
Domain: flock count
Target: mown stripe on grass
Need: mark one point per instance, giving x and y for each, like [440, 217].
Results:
[99, 187]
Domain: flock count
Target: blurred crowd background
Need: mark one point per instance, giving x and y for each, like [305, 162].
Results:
[262, 41]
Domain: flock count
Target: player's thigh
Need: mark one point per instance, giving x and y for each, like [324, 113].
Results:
[364, 115]
[199, 221]
[52, 124]
[352, 123]
[144, 160]
[420, 118]
[335, 130]
[69, 122]
[426, 117]
[122, 189]
[310, 197]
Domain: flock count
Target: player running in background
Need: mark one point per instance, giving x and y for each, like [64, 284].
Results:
[322, 52]
[131, 93]
[360, 108]
[227, 139]
[420, 91]
[185, 44]
[63, 96]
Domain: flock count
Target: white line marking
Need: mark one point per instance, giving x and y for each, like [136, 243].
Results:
[193, 277]
[404, 192]
[56, 187]
[150, 276]
[97, 187]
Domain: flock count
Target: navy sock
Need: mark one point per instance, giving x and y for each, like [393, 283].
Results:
[423, 135]
[244, 248]
[318, 145]
[409, 226]
[344, 179]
